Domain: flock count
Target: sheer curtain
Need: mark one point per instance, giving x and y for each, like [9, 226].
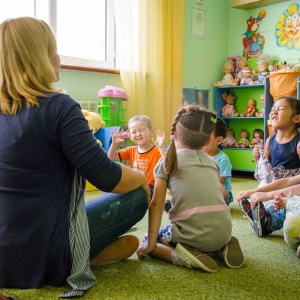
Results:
[150, 57]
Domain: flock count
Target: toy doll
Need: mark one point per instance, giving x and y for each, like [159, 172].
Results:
[246, 79]
[263, 73]
[242, 63]
[250, 109]
[228, 109]
[262, 112]
[243, 141]
[230, 141]
[228, 78]
[258, 136]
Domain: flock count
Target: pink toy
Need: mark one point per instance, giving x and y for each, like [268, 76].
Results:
[230, 141]
[258, 136]
[112, 92]
[246, 79]
[250, 109]
[228, 109]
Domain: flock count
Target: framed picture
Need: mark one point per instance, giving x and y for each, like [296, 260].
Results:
[195, 96]
[235, 62]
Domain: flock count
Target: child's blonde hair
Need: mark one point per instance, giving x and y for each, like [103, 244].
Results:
[144, 118]
[27, 47]
[193, 125]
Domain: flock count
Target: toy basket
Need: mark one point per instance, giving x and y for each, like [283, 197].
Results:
[284, 84]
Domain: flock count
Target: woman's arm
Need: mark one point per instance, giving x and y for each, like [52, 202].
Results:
[131, 180]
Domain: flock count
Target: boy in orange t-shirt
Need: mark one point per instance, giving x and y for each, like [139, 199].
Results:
[146, 152]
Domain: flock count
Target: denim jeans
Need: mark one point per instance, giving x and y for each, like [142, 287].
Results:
[278, 217]
[111, 215]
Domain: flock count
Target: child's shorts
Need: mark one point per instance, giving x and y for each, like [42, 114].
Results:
[164, 236]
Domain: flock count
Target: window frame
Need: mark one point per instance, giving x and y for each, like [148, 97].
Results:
[107, 66]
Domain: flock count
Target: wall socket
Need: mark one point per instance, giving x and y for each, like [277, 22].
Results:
[199, 1]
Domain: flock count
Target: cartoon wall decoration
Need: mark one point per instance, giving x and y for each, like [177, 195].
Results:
[253, 41]
[288, 28]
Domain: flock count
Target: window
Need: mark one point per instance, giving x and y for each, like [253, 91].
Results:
[84, 28]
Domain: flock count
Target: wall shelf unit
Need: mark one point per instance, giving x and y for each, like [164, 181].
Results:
[251, 4]
[242, 158]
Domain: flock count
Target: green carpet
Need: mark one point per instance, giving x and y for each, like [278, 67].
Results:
[271, 271]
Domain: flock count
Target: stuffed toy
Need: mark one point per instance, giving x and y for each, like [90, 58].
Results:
[94, 120]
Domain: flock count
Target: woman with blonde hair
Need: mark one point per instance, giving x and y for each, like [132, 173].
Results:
[47, 150]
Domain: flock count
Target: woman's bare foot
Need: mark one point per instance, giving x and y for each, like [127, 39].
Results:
[121, 249]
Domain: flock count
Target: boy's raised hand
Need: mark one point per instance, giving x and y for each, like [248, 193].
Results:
[116, 136]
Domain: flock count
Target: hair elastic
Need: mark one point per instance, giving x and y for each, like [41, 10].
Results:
[187, 110]
[214, 120]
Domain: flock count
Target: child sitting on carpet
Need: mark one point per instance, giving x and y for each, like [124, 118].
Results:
[200, 219]
[280, 158]
[212, 149]
[147, 151]
[281, 191]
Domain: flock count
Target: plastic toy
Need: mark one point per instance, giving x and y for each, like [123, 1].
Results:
[263, 73]
[262, 112]
[230, 141]
[243, 141]
[246, 79]
[250, 109]
[242, 63]
[228, 109]
[228, 79]
[258, 138]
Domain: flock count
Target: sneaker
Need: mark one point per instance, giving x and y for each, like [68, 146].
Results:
[168, 205]
[298, 252]
[196, 259]
[232, 254]
[246, 209]
[262, 221]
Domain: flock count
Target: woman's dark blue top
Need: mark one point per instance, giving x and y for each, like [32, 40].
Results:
[39, 149]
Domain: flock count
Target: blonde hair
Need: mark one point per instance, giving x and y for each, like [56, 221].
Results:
[143, 118]
[27, 48]
[194, 125]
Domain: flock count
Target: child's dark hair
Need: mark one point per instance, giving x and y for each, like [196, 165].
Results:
[193, 125]
[220, 128]
[295, 105]
[260, 131]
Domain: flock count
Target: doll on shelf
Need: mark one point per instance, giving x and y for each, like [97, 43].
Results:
[241, 64]
[244, 141]
[230, 141]
[228, 78]
[262, 101]
[228, 109]
[258, 138]
[262, 74]
[246, 79]
[250, 109]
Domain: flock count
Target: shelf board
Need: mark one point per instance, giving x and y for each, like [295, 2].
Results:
[250, 4]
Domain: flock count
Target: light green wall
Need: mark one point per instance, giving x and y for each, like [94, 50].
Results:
[203, 57]
[237, 26]
[84, 86]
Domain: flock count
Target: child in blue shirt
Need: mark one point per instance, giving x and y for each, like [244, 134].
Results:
[212, 149]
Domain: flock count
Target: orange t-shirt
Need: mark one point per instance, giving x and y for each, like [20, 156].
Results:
[141, 161]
